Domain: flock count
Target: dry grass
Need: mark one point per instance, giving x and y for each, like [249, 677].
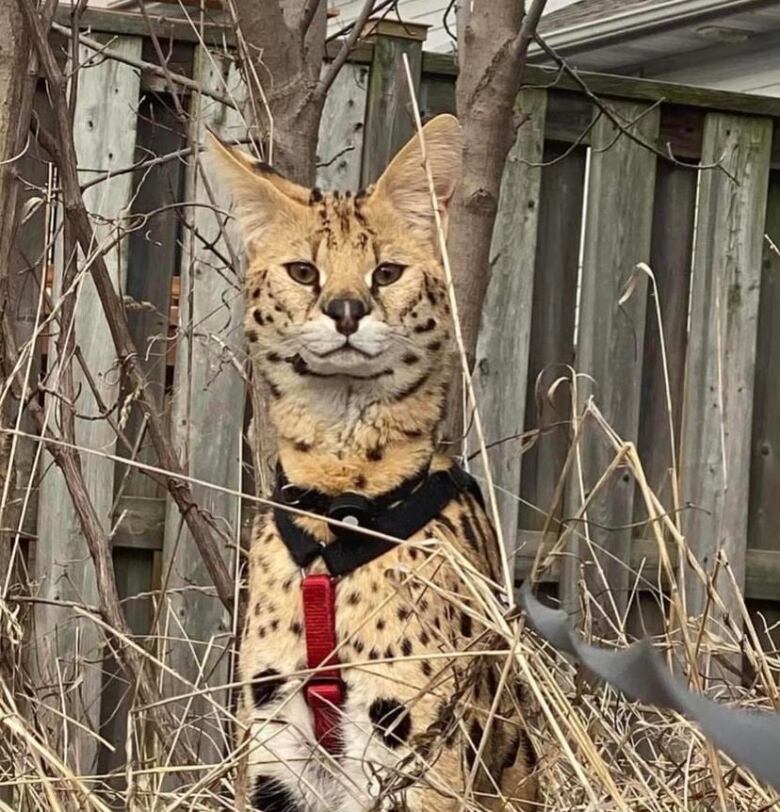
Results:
[596, 751]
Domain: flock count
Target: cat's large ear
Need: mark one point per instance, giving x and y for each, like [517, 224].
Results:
[261, 196]
[405, 184]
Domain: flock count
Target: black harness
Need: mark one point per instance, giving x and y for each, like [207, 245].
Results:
[400, 513]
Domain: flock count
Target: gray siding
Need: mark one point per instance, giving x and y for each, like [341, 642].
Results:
[429, 12]
[756, 72]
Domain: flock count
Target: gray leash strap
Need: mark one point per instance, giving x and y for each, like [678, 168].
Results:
[750, 738]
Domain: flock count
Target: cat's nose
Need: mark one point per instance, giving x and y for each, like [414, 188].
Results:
[347, 313]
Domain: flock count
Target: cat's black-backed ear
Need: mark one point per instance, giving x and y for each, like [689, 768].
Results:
[261, 196]
[405, 184]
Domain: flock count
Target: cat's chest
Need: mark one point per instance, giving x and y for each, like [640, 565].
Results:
[392, 608]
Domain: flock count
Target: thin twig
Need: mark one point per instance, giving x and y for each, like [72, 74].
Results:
[615, 119]
[149, 67]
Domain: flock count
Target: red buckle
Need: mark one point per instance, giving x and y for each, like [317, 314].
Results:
[324, 696]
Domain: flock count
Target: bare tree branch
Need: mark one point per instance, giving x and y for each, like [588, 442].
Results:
[381, 8]
[528, 29]
[281, 65]
[307, 15]
[462, 17]
[622, 126]
[349, 43]
[102, 49]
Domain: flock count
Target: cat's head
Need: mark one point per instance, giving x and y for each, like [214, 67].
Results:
[342, 286]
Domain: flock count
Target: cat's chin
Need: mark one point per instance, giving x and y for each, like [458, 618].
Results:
[347, 362]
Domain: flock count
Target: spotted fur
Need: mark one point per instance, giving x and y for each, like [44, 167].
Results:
[356, 357]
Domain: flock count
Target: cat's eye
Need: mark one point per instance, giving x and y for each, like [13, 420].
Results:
[387, 273]
[304, 273]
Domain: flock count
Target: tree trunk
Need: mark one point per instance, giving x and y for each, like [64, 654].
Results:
[488, 82]
[493, 38]
[282, 57]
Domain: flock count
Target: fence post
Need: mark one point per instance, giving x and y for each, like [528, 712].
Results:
[105, 139]
[389, 117]
[617, 236]
[720, 369]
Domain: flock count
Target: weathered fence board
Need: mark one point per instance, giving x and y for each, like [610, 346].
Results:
[502, 350]
[625, 87]
[389, 119]
[153, 254]
[715, 446]
[208, 407]
[29, 264]
[552, 332]
[340, 148]
[670, 261]
[617, 236]
[765, 470]
[105, 140]
[437, 95]
[154, 251]
[764, 517]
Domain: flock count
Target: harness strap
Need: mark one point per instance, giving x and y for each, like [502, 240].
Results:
[324, 690]
[398, 514]
[318, 502]
[399, 520]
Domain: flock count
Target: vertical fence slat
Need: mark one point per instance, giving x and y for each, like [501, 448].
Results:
[670, 259]
[764, 518]
[340, 146]
[105, 140]
[208, 408]
[153, 252]
[437, 95]
[389, 117]
[502, 347]
[28, 267]
[715, 448]
[552, 330]
[617, 236]
[765, 469]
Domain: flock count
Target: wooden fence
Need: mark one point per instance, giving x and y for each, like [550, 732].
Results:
[554, 302]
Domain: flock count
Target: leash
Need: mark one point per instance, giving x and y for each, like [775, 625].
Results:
[749, 738]
[399, 514]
